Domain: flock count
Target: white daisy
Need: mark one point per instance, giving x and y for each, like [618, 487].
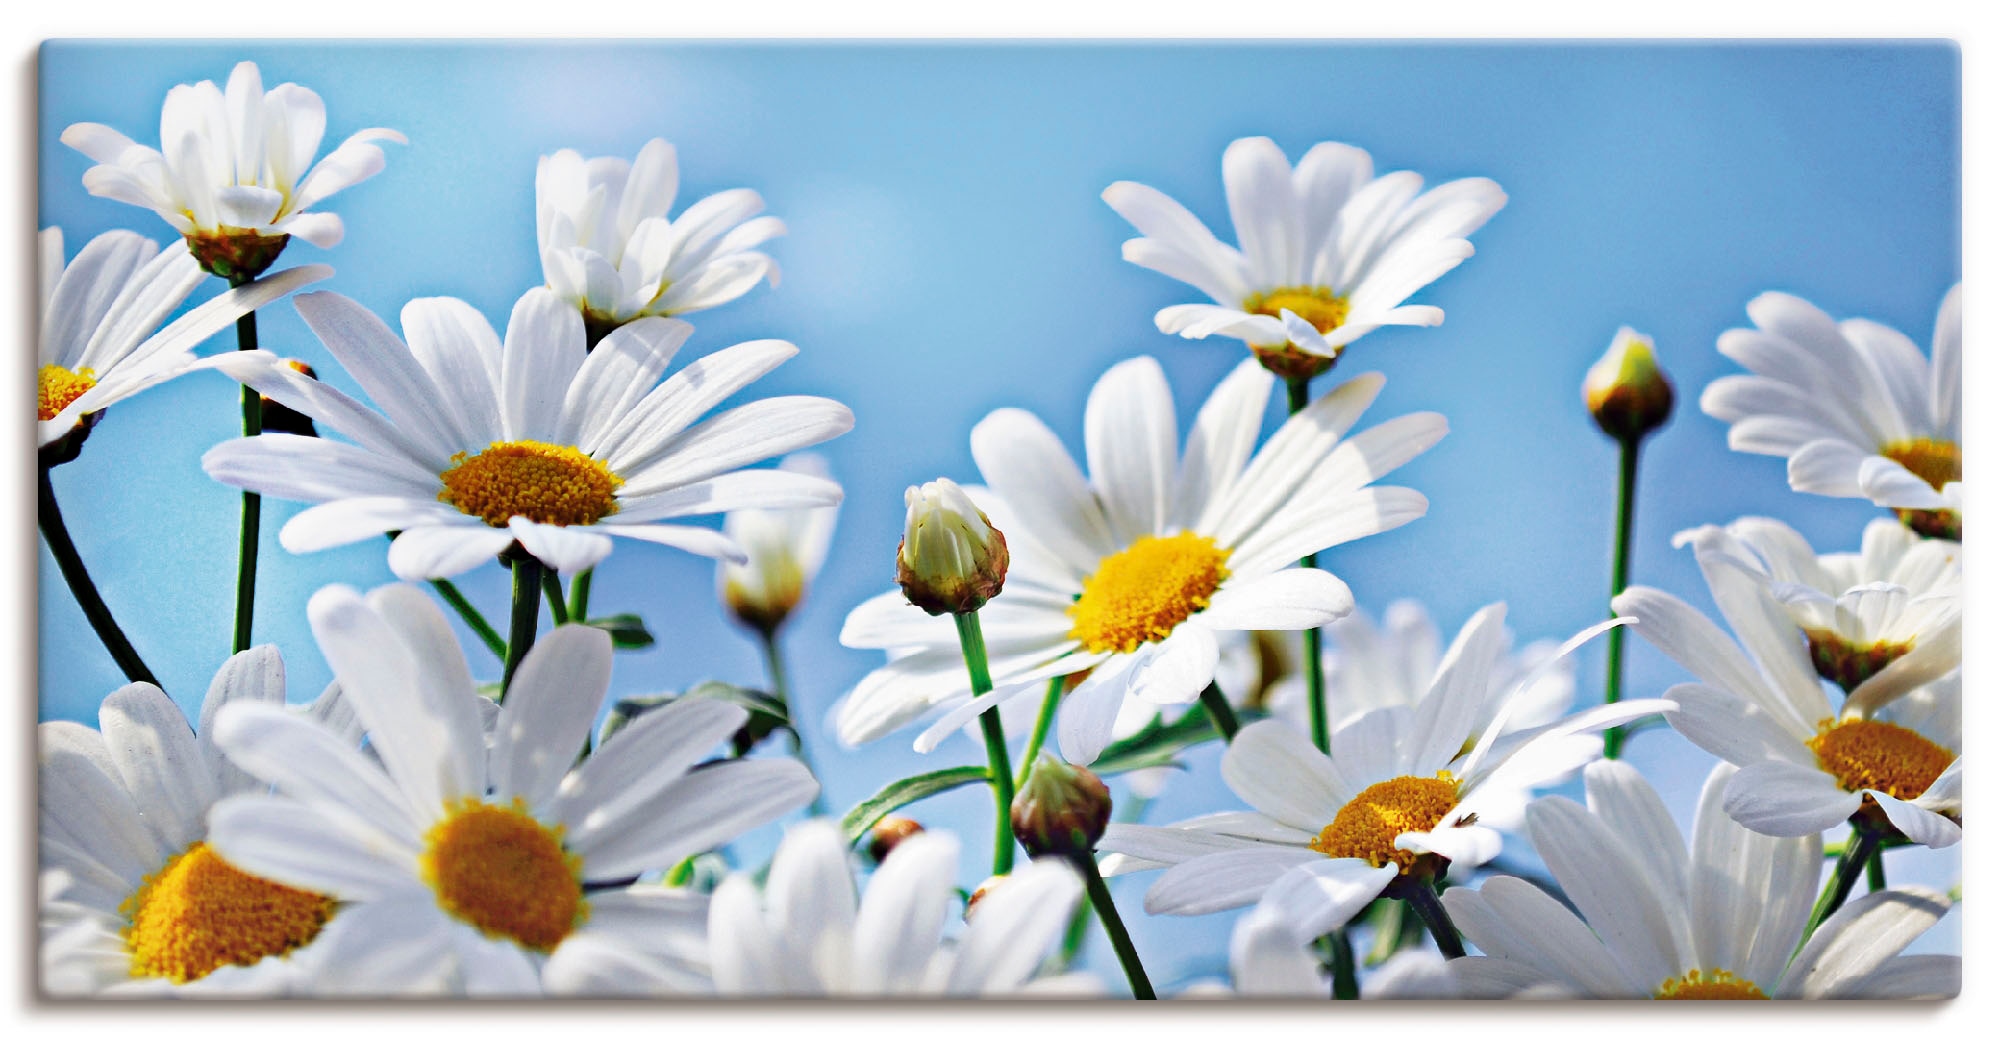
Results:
[509, 864]
[136, 900]
[1128, 574]
[1267, 960]
[1718, 919]
[101, 340]
[786, 548]
[1854, 406]
[1398, 790]
[609, 249]
[807, 935]
[543, 442]
[1887, 758]
[234, 173]
[1327, 252]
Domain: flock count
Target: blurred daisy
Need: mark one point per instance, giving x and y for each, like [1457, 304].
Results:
[136, 900]
[101, 340]
[609, 249]
[1130, 573]
[807, 935]
[1266, 960]
[1397, 791]
[542, 443]
[1660, 919]
[1854, 406]
[502, 860]
[1326, 252]
[234, 173]
[786, 548]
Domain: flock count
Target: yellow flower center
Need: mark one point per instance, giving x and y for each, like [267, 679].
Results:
[1709, 985]
[59, 387]
[1368, 825]
[1936, 462]
[497, 869]
[1142, 593]
[1878, 755]
[1847, 663]
[1318, 307]
[555, 485]
[199, 914]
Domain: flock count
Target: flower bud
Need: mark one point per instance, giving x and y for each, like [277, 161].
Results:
[887, 834]
[282, 419]
[785, 549]
[951, 559]
[1060, 809]
[1626, 391]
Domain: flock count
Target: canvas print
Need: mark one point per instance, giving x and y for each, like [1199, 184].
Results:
[1317, 521]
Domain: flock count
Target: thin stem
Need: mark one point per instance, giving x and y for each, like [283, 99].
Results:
[1298, 394]
[1853, 861]
[579, 595]
[973, 642]
[1072, 942]
[1878, 879]
[1338, 948]
[1423, 897]
[1043, 718]
[456, 599]
[521, 632]
[774, 666]
[552, 589]
[248, 533]
[1114, 928]
[1219, 711]
[1621, 560]
[56, 532]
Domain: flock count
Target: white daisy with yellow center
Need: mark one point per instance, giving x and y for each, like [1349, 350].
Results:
[1854, 405]
[785, 549]
[502, 864]
[136, 900]
[541, 442]
[1398, 794]
[609, 249]
[1128, 574]
[1657, 917]
[1326, 252]
[101, 340]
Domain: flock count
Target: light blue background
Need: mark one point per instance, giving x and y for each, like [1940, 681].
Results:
[949, 254]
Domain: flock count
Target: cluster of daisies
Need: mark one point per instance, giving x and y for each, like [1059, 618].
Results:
[414, 831]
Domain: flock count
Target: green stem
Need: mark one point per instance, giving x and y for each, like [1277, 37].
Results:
[774, 665]
[1853, 861]
[56, 532]
[1114, 928]
[1043, 719]
[1423, 897]
[579, 595]
[253, 506]
[521, 632]
[1298, 393]
[1220, 712]
[1878, 879]
[1621, 560]
[1072, 942]
[973, 642]
[1346, 986]
[552, 589]
[456, 599]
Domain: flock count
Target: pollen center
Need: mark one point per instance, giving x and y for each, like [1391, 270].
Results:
[1368, 825]
[1879, 755]
[1142, 593]
[1847, 663]
[199, 914]
[59, 387]
[1709, 985]
[556, 485]
[497, 869]
[1318, 307]
[1936, 462]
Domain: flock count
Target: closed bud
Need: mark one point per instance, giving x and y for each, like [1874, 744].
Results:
[785, 549]
[1626, 391]
[951, 559]
[886, 835]
[1060, 809]
[281, 419]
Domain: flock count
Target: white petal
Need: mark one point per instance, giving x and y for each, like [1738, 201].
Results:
[1321, 896]
[1863, 935]
[1276, 770]
[1783, 799]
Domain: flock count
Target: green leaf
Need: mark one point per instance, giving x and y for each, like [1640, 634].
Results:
[1158, 744]
[627, 630]
[905, 791]
[767, 715]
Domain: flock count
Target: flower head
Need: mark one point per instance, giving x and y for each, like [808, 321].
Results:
[785, 549]
[951, 559]
[1627, 393]
[1060, 809]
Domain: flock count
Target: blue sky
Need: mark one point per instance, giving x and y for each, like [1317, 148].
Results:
[949, 254]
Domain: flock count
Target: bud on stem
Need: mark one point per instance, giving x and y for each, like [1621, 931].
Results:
[1627, 393]
[951, 559]
[1061, 809]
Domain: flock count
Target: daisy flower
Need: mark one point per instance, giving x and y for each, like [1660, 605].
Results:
[1887, 757]
[234, 173]
[609, 249]
[1326, 252]
[136, 900]
[785, 546]
[101, 340]
[503, 860]
[806, 934]
[1129, 573]
[1854, 406]
[1266, 960]
[1397, 791]
[542, 442]
[1717, 919]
